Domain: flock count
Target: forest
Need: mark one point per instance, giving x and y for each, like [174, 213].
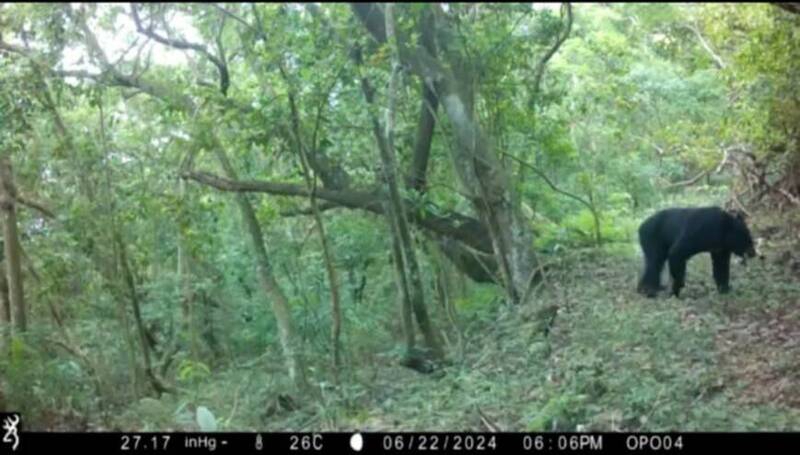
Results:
[396, 217]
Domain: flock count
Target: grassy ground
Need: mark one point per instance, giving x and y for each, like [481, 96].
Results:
[613, 360]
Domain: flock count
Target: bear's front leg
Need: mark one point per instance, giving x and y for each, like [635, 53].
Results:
[677, 269]
[721, 261]
[650, 283]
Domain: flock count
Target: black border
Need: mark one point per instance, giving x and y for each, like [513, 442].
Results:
[408, 442]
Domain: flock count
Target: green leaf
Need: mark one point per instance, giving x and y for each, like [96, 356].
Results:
[205, 419]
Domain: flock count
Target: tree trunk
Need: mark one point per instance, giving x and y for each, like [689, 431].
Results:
[208, 334]
[398, 214]
[133, 295]
[492, 196]
[280, 306]
[404, 302]
[477, 166]
[8, 194]
[311, 182]
[188, 296]
[333, 281]
[5, 314]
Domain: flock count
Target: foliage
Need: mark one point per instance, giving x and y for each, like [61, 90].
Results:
[630, 107]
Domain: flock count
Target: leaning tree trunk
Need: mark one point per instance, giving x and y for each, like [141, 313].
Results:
[397, 213]
[491, 193]
[478, 167]
[404, 302]
[8, 194]
[280, 305]
[406, 267]
[133, 295]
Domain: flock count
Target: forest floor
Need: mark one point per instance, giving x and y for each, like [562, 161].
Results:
[612, 360]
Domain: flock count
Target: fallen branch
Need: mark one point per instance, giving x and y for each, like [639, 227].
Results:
[696, 178]
[689, 182]
[789, 196]
[491, 426]
[723, 162]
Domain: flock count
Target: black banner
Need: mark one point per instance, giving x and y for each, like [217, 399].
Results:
[401, 443]
[15, 440]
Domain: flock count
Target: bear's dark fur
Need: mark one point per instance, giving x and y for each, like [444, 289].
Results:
[675, 235]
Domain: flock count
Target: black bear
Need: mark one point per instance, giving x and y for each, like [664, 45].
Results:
[677, 234]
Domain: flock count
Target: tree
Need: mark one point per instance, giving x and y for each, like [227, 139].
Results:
[13, 268]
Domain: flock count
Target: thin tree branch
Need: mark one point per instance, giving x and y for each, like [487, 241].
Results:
[718, 62]
[233, 16]
[80, 74]
[35, 205]
[224, 77]
[349, 198]
[716, 169]
[8, 47]
[539, 72]
[550, 182]
[125, 52]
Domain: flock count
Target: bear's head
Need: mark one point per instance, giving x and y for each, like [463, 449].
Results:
[737, 237]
